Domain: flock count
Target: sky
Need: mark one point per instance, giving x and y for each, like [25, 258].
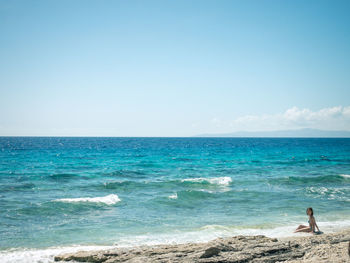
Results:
[172, 68]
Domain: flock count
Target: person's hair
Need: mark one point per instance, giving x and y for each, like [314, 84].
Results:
[310, 209]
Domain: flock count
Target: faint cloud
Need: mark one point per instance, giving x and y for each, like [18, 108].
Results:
[334, 118]
[216, 122]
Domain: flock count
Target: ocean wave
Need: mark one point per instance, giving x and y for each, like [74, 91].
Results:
[214, 180]
[108, 199]
[173, 196]
[194, 195]
[42, 255]
[123, 184]
[127, 174]
[291, 180]
[17, 187]
[330, 193]
[63, 176]
[346, 176]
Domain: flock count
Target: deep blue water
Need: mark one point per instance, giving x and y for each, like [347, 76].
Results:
[158, 190]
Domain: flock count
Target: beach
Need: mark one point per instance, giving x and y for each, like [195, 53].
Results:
[63, 195]
[313, 248]
[174, 131]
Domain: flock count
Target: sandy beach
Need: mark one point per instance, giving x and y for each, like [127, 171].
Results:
[314, 248]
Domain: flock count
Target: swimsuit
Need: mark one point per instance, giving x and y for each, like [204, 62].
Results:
[310, 225]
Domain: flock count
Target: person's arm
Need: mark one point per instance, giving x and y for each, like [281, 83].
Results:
[316, 225]
[313, 224]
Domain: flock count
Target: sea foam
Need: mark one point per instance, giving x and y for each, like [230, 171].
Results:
[173, 196]
[108, 199]
[345, 176]
[199, 235]
[214, 180]
[42, 255]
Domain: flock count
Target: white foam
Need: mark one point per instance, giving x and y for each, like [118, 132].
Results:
[287, 231]
[108, 199]
[214, 180]
[42, 255]
[345, 175]
[330, 193]
[202, 234]
[173, 196]
[210, 232]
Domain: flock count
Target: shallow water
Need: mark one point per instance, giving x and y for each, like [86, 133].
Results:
[67, 192]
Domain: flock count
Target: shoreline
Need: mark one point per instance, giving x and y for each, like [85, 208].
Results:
[46, 254]
[333, 247]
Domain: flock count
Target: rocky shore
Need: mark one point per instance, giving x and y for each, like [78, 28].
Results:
[238, 249]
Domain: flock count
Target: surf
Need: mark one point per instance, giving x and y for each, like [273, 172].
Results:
[108, 199]
[213, 180]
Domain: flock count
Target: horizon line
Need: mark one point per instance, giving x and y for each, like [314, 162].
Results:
[193, 136]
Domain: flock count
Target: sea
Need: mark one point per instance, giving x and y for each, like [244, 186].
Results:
[64, 194]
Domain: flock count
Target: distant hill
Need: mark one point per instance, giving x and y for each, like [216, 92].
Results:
[301, 133]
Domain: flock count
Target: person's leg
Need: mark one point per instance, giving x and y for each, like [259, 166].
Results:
[301, 226]
[303, 229]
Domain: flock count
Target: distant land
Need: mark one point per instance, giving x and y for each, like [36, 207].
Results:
[300, 133]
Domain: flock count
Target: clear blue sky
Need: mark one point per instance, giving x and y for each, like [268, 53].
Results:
[170, 68]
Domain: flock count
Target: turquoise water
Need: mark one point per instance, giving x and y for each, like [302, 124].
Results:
[63, 192]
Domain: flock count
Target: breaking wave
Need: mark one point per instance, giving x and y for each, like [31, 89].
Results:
[215, 180]
[108, 199]
[173, 196]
